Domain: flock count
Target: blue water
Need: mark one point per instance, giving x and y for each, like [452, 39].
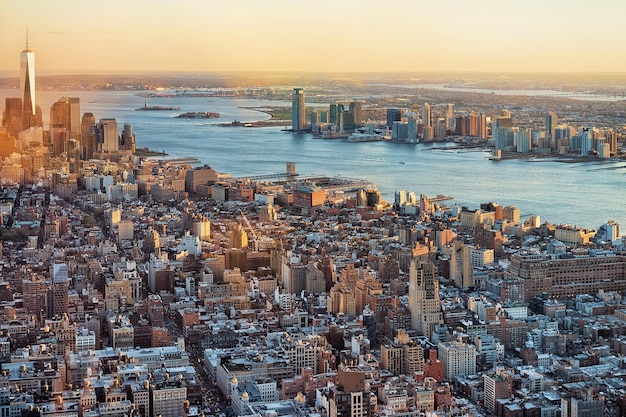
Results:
[585, 194]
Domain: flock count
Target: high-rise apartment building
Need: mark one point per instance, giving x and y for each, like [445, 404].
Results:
[511, 214]
[426, 115]
[402, 355]
[450, 116]
[467, 125]
[482, 126]
[550, 139]
[472, 124]
[496, 386]
[357, 113]
[523, 140]
[393, 115]
[350, 397]
[35, 290]
[412, 127]
[297, 110]
[461, 128]
[459, 359]
[335, 113]
[60, 288]
[586, 142]
[424, 297]
[611, 137]
[609, 232]
[501, 129]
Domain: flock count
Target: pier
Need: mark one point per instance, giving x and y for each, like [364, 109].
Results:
[441, 197]
[181, 161]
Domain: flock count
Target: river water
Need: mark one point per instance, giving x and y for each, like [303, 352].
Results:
[585, 193]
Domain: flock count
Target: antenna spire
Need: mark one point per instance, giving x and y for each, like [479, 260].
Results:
[27, 38]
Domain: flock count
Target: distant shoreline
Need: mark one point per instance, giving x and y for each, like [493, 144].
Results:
[501, 80]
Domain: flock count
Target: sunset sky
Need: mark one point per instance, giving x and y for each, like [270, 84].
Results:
[319, 35]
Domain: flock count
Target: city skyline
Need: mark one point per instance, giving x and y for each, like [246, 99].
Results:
[285, 36]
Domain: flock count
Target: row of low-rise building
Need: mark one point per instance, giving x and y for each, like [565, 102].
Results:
[366, 284]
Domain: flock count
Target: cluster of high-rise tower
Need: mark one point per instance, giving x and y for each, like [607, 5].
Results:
[70, 136]
[337, 118]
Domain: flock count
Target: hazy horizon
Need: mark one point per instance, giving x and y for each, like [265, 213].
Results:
[614, 81]
[282, 36]
[60, 72]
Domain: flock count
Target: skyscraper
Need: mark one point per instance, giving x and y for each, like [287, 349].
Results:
[393, 115]
[524, 140]
[107, 134]
[128, 138]
[450, 116]
[473, 124]
[500, 129]
[461, 269]
[347, 122]
[27, 82]
[356, 109]
[426, 116]
[297, 110]
[551, 122]
[586, 142]
[88, 135]
[65, 113]
[12, 116]
[482, 126]
[424, 297]
[60, 285]
[412, 127]
[333, 112]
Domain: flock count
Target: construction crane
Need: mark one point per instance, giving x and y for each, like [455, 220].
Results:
[256, 238]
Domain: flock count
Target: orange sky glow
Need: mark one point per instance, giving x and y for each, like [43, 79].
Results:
[324, 35]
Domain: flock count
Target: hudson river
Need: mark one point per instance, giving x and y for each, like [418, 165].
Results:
[584, 193]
